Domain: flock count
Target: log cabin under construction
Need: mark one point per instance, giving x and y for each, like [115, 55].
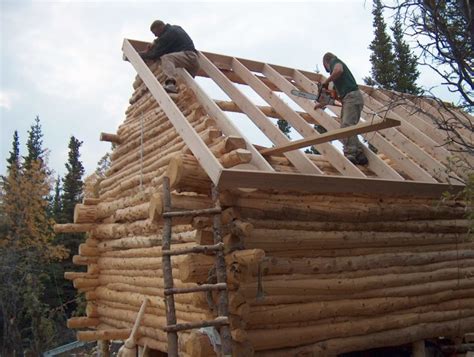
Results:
[227, 246]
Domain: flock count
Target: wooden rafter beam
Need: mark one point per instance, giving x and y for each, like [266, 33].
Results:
[192, 139]
[298, 159]
[223, 122]
[333, 135]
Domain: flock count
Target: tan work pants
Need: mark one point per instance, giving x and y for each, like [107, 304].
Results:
[186, 59]
[352, 105]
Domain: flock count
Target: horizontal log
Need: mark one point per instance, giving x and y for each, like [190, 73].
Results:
[115, 334]
[235, 157]
[349, 252]
[73, 228]
[81, 260]
[393, 337]
[82, 322]
[85, 213]
[86, 250]
[336, 286]
[425, 226]
[395, 291]
[112, 138]
[317, 310]
[286, 337]
[328, 265]
[147, 241]
[281, 239]
[90, 201]
[228, 144]
[186, 174]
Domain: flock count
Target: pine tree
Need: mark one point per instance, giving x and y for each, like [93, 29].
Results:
[382, 58]
[405, 62]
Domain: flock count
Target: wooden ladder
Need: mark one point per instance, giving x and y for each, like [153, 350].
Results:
[222, 320]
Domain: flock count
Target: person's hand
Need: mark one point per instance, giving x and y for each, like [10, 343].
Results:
[319, 106]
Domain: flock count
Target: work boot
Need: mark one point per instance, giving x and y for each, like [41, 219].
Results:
[170, 86]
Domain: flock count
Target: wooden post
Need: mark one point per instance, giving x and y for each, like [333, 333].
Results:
[223, 302]
[167, 270]
[418, 349]
[103, 347]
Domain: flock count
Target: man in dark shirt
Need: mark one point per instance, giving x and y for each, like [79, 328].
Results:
[352, 104]
[175, 49]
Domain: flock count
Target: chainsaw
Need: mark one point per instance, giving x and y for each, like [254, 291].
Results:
[323, 98]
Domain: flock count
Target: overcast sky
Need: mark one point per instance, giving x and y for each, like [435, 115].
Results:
[62, 60]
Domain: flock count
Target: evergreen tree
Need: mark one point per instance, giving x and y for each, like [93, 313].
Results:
[14, 159]
[284, 127]
[26, 249]
[72, 193]
[382, 58]
[405, 62]
[34, 145]
[72, 182]
[56, 207]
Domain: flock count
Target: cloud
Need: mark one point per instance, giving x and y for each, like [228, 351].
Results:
[65, 57]
[7, 98]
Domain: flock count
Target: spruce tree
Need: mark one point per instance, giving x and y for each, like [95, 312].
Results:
[72, 182]
[26, 250]
[405, 62]
[14, 158]
[72, 193]
[382, 58]
[56, 207]
[34, 145]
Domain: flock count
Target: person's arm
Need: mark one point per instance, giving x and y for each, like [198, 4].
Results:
[160, 47]
[335, 74]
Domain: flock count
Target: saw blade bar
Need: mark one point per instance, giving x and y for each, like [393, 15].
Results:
[302, 94]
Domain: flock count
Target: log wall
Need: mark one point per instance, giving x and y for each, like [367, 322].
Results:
[315, 274]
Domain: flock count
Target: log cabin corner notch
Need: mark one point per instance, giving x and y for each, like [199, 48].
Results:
[322, 256]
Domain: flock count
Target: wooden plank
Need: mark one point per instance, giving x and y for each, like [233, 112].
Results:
[399, 157]
[334, 156]
[298, 159]
[224, 123]
[402, 161]
[333, 184]
[333, 135]
[377, 165]
[202, 153]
